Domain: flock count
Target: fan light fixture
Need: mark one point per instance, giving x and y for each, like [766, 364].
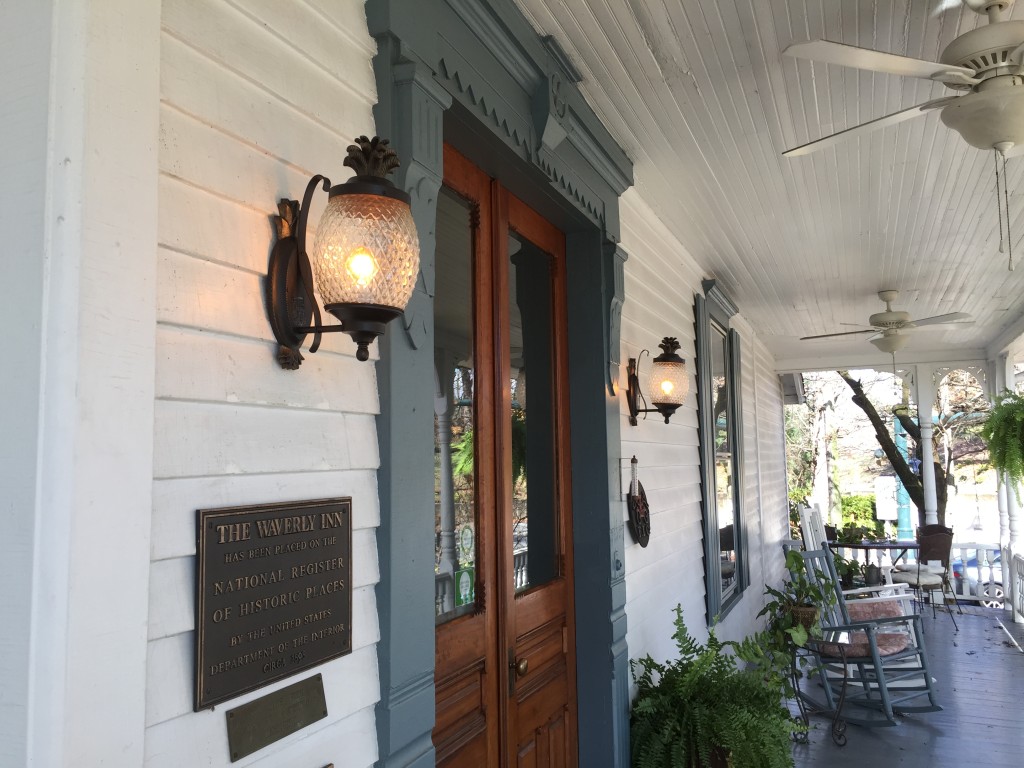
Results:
[668, 385]
[987, 62]
[365, 257]
[890, 342]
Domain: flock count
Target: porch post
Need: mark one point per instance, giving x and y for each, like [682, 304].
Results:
[1010, 538]
[444, 367]
[925, 385]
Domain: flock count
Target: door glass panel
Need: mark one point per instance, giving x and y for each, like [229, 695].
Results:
[721, 430]
[535, 524]
[455, 508]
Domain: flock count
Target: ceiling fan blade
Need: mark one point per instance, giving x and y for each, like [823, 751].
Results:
[844, 333]
[881, 122]
[857, 325]
[944, 5]
[952, 317]
[878, 61]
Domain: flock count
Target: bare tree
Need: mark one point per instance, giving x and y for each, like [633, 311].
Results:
[911, 481]
[954, 438]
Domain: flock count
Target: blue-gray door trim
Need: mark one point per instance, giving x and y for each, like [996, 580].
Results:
[474, 73]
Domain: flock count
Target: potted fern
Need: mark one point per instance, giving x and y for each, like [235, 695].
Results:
[1003, 431]
[703, 711]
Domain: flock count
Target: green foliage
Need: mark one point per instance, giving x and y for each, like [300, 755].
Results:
[858, 509]
[800, 459]
[783, 629]
[855, 534]
[463, 450]
[1003, 431]
[846, 569]
[689, 708]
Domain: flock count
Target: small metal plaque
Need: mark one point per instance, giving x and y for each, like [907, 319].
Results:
[273, 593]
[253, 726]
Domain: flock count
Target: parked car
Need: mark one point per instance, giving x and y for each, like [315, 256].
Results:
[984, 580]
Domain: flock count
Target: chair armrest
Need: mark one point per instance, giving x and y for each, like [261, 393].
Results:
[855, 626]
[897, 589]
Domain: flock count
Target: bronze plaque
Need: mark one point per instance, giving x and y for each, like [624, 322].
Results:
[263, 721]
[273, 593]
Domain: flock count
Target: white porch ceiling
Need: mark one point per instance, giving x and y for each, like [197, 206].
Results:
[700, 96]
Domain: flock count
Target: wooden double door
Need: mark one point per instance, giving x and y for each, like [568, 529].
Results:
[505, 672]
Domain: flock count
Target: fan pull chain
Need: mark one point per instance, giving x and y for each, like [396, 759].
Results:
[999, 208]
[1006, 200]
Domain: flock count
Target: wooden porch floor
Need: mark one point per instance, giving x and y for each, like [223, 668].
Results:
[979, 674]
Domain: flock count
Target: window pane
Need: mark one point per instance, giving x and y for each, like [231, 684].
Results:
[721, 429]
[455, 513]
[531, 325]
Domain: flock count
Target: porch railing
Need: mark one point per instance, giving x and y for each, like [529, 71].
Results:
[444, 582]
[1018, 584]
[978, 577]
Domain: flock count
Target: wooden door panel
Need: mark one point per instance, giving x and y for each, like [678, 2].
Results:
[526, 757]
[468, 753]
[466, 648]
[542, 710]
[547, 745]
[461, 707]
[487, 715]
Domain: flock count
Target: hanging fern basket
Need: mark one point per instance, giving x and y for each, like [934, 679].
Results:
[1003, 431]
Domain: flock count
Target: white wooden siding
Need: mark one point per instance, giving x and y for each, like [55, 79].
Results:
[660, 282]
[255, 97]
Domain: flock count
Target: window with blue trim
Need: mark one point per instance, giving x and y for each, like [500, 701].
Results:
[721, 428]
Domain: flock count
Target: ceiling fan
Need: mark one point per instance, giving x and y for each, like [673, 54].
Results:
[987, 63]
[887, 325]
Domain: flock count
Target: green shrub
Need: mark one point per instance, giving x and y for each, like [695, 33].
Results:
[859, 512]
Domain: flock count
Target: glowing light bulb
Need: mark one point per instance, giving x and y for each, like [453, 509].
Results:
[361, 266]
[667, 387]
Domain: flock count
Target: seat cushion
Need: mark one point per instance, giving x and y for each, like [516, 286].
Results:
[925, 568]
[859, 647]
[863, 610]
[915, 579]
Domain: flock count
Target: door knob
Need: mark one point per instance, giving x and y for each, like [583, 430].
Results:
[521, 667]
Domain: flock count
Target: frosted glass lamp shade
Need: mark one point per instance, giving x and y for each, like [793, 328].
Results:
[366, 252]
[364, 262]
[890, 342]
[669, 383]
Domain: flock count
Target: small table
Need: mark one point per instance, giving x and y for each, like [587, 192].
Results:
[891, 546]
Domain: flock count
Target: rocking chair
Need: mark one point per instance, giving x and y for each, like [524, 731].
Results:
[875, 663]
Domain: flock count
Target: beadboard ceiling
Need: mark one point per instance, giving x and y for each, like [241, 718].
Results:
[701, 98]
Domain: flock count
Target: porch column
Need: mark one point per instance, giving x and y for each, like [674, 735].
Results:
[1004, 516]
[444, 367]
[995, 386]
[925, 386]
[1010, 539]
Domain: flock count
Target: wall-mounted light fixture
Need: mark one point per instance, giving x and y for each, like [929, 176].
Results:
[669, 382]
[365, 257]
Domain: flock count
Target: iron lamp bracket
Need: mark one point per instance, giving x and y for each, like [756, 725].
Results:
[291, 306]
[634, 395]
